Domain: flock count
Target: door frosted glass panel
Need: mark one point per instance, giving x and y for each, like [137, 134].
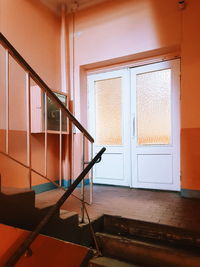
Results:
[154, 107]
[108, 95]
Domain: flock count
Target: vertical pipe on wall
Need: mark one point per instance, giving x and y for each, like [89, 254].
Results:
[7, 102]
[63, 55]
[28, 119]
[64, 87]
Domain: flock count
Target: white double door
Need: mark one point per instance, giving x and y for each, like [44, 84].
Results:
[134, 113]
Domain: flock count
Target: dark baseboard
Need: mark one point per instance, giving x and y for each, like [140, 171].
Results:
[188, 193]
[49, 186]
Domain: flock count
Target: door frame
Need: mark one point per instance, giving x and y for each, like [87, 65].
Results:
[124, 73]
[130, 112]
[175, 122]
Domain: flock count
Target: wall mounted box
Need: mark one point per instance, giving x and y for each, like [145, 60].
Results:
[53, 112]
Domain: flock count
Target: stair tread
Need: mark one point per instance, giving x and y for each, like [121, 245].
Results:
[43, 205]
[64, 214]
[141, 252]
[133, 228]
[143, 243]
[110, 262]
[13, 190]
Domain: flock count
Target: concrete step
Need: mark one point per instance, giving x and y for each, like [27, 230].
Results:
[17, 197]
[109, 262]
[16, 206]
[63, 226]
[117, 225]
[145, 253]
[66, 215]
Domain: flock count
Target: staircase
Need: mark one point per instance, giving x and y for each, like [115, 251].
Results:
[126, 242]
[18, 209]
[123, 242]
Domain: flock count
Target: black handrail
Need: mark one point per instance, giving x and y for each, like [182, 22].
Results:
[38, 80]
[32, 236]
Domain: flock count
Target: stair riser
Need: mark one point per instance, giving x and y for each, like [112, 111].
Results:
[128, 227]
[26, 199]
[19, 210]
[143, 254]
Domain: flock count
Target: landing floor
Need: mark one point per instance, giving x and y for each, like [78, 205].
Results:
[154, 206]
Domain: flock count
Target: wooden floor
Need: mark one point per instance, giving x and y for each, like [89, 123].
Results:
[154, 206]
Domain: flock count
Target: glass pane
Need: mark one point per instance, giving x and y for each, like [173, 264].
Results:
[53, 114]
[154, 107]
[108, 112]
[2, 99]
[37, 130]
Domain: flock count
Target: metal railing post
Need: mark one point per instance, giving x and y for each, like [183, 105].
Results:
[7, 101]
[45, 132]
[28, 113]
[60, 150]
[83, 181]
[91, 176]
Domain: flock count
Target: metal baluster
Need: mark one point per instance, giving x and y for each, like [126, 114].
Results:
[28, 103]
[91, 176]
[7, 101]
[60, 150]
[45, 132]
[82, 182]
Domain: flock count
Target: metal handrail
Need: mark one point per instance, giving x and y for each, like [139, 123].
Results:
[39, 81]
[33, 235]
[30, 73]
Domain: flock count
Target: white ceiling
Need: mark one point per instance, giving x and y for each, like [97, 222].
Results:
[71, 5]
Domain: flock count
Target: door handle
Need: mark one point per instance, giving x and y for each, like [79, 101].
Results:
[133, 126]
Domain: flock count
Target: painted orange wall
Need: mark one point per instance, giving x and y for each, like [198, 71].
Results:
[115, 32]
[119, 31]
[34, 31]
[47, 251]
[15, 175]
[190, 97]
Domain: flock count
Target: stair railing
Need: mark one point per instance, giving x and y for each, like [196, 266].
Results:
[31, 75]
[25, 246]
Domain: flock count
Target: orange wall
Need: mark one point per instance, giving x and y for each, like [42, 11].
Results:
[123, 29]
[15, 175]
[119, 31]
[34, 31]
[190, 97]
[115, 32]
[46, 251]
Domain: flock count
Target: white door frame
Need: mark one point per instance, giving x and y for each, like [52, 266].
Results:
[123, 149]
[129, 104]
[173, 149]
